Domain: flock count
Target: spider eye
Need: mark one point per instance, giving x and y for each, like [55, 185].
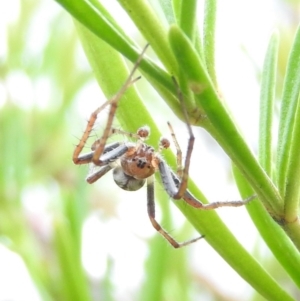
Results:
[164, 142]
[143, 132]
[127, 182]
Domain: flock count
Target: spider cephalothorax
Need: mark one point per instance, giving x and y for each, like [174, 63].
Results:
[139, 162]
[135, 164]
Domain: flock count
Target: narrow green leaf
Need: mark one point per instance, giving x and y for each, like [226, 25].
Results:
[110, 20]
[73, 282]
[95, 20]
[131, 114]
[177, 8]
[151, 28]
[159, 260]
[289, 106]
[188, 18]
[267, 97]
[276, 239]
[224, 130]
[209, 28]
[167, 8]
[187, 22]
[292, 192]
[98, 22]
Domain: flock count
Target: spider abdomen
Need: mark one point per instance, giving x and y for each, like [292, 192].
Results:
[125, 181]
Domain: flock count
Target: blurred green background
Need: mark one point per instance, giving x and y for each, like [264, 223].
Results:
[45, 203]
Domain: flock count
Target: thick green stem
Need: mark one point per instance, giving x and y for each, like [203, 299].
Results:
[227, 134]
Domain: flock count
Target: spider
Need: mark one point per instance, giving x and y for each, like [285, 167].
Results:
[133, 164]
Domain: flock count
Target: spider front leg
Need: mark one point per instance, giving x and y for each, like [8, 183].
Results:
[77, 159]
[183, 172]
[112, 152]
[176, 186]
[171, 183]
[99, 146]
[156, 225]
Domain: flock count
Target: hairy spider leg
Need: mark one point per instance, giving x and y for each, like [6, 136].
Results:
[112, 152]
[78, 149]
[113, 107]
[87, 157]
[164, 144]
[192, 201]
[113, 102]
[171, 182]
[155, 224]
[115, 131]
[184, 172]
[99, 173]
[177, 186]
[178, 151]
[108, 160]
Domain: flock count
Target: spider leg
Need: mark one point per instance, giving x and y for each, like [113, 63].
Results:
[107, 131]
[86, 134]
[96, 175]
[184, 173]
[112, 152]
[113, 102]
[178, 151]
[87, 158]
[115, 131]
[121, 132]
[191, 200]
[171, 183]
[156, 225]
[170, 179]
[113, 107]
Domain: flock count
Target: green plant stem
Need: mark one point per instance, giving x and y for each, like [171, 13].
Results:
[188, 18]
[187, 22]
[292, 229]
[289, 104]
[168, 11]
[279, 243]
[267, 97]
[227, 133]
[132, 114]
[98, 23]
[209, 28]
[73, 283]
[292, 192]
[151, 28]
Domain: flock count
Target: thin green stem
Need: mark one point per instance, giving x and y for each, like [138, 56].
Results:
[231, 140]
